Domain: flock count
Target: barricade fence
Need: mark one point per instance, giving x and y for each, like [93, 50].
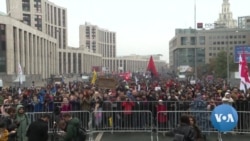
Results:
[168, 120]
[142, 121]
[122, 121]
[178, 105]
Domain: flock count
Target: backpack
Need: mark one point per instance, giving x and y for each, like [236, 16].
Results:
[82, 134]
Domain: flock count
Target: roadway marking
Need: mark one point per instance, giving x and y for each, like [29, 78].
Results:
[99, 137]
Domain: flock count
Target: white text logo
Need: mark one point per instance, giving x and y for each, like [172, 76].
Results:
[222, 117]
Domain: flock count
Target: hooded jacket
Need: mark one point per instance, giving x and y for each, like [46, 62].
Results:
[72, 130]
[23, 122]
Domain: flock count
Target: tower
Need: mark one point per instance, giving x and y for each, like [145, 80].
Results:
[226, 16]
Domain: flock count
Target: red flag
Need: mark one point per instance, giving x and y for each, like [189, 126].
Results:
[152, 68]
[243, 71]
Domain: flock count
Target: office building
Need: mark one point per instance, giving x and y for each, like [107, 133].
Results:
[209, 44]
[244, 22]
[42, 15]
[98, 40]
[34, 50]
[35, 32]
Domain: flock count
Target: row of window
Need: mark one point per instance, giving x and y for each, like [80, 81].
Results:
[220, 48]
[226, 37]
[230, 42]
[193, 40]
[215, 54]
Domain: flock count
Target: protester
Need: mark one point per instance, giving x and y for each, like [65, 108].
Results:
[198, 133]
[3, 132]
[8, 117]
[22, 122]
[184, 132]
[38, 130]
[73, 125]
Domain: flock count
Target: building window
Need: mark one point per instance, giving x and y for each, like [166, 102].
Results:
[193, 40]
[26, 5]
[3, 65]
[202, 40]
[26, 19]
[38, 22]
[38, 6]
[183, 40]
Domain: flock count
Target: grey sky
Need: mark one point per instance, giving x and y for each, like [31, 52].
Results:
[143, 26]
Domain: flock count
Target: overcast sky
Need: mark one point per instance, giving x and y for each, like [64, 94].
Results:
[143, 27]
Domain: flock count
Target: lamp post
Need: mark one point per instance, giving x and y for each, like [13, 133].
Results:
[195, 46]
[228, 54]
[228, 58]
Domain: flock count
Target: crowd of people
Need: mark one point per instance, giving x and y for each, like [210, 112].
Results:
[131, 105]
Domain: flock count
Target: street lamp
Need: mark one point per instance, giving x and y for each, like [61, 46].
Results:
[228, 53]
[196, 41]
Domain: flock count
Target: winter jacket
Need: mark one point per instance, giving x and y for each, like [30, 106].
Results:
[4, 135]
[23, 123]
[72, 130]
[187, 131]
[38, 131]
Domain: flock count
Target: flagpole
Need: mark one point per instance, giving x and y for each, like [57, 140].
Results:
[195, 53]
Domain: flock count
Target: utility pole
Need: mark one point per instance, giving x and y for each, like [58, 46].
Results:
[196, 41]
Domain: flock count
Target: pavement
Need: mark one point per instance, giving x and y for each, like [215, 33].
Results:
[147, 137]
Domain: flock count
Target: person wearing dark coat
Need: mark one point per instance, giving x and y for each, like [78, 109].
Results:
[38, 130]
[184, 131]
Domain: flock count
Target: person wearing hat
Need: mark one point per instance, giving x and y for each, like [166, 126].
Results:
[22, 121]
[161, 115]
[227, 99]
[38, 130]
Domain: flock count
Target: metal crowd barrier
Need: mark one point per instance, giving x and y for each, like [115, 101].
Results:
[166, 121]
[143, 105]
[83, 116]
[143, 121]
[122, 121]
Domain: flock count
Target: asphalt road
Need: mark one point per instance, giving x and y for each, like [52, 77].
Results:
[147, 137]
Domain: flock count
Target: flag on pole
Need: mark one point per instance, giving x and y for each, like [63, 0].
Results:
[20, 73]
[243, 71]
[19, 91]
[151, 67]
[94, 77]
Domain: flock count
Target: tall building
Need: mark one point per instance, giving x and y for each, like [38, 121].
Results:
[209, 44]
[34, 50]
[101, 41]
[42, 15]
[98, 40]
[226, 17]
[34, 34]
[244, 22]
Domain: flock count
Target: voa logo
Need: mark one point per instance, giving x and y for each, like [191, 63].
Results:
[224, 118]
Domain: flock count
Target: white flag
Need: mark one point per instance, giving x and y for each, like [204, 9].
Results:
[19, 91]
[20, 73]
